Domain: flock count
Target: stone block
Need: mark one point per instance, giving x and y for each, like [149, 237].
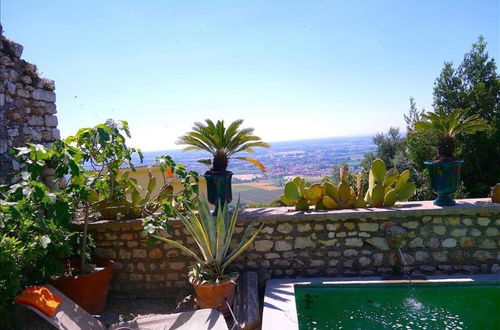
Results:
[410, 224]
[155, 254]
[177, 265]
[358, 242]
[449, 243]
[482, 221]
[263, 245]
[303, 242]
[303, 227]
[350, 253]
[43, 95]
[285, 228]
[439, 230]
[467, 242]
[50, 120]
[452, 221]
[491, 232]
[459, 232]
[282, 246]
[139, 253]
[368, 226]
[349, 225]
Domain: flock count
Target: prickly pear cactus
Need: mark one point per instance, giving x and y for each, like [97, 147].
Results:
[386, 187]
[343, 196]
[298, 195]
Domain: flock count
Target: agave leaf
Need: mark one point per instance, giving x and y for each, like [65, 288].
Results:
[390, 198]
[207, 221]
[231, 226]
[391, 177]
[403, 178]
[195, 229]
[291, 192]
[378, 195]
[378, 169]
[242, 248]
[406, 191]
[179, 246]
[220, 226]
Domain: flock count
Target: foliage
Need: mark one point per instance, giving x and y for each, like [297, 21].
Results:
[213, 238]
[448, 126]
[223, 143]
[34, 229]
[386, 187]
[474, 84]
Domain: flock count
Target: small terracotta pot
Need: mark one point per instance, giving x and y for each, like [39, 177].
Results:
[90, 291]
[212, 295]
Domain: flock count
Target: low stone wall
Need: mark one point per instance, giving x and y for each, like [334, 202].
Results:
[459, 239]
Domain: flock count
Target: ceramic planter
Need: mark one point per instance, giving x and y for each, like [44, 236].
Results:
[445, 180]
[219, 188]
[90, 291]
[214, 295]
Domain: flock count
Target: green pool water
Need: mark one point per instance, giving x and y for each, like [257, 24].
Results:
[466, 305]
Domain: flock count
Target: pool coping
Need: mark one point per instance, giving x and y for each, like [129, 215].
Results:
[279, 302]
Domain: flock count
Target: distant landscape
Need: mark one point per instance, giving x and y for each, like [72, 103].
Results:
[312, 159]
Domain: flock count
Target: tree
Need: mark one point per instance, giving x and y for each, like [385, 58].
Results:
[474, 84]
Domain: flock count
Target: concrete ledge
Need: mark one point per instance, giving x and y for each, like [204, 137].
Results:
[280, 310]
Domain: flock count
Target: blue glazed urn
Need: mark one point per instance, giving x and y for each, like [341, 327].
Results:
[445, 180]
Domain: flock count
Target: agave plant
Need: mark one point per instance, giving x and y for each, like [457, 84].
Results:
[447, 126]
[213, 239]
[223, 143]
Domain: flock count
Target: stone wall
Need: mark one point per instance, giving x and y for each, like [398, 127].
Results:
[27, 106]
[459, 239]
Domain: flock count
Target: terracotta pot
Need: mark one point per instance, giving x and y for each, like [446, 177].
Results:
[90, 291]
[212, 295]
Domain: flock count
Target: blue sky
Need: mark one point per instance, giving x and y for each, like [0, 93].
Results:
[291, 69]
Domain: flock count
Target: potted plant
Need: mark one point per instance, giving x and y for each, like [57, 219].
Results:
[213, 280]
[223, 143]
[444, 169]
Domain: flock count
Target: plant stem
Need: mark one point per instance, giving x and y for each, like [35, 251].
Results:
[83, 249]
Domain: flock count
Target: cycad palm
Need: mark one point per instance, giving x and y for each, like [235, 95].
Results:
[222, 142]
[448, 126]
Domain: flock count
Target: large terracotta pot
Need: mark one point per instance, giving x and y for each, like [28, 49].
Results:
[212, 295]
[90, 291]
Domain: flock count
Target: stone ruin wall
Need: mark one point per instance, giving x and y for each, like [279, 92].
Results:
[27, 107]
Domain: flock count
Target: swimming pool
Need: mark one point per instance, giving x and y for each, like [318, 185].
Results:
[463, 305]
[471, 302]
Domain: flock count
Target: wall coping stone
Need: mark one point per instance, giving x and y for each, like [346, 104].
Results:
[401, 210]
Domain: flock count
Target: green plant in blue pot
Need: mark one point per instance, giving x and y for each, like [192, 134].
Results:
[223, 143]
[444, 169]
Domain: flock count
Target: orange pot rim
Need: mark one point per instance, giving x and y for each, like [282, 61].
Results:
[233, 279]
[106, 263]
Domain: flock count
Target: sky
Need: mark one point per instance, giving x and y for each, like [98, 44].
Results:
[291, 69]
